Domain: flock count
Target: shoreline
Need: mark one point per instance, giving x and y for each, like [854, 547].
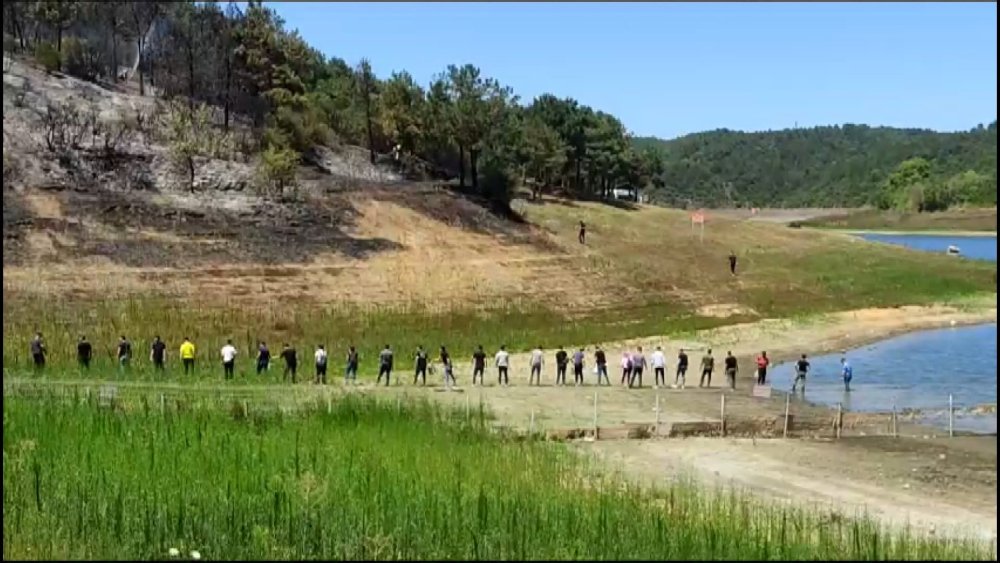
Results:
[896, 232]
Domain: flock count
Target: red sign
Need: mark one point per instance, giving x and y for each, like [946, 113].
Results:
[698, 217]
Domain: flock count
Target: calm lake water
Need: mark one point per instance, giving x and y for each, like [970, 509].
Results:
[918, 370]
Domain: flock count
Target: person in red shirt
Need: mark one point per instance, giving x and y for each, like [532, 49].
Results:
[762, 363]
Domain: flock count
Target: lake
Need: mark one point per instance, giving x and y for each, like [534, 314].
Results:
[918, 370]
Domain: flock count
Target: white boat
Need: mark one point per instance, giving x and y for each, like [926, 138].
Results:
[953, 250]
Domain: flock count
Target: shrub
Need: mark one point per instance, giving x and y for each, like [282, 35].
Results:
[276, 169]
[48, 56]
[82, 59]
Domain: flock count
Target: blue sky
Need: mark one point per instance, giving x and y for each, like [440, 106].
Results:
[669, 69]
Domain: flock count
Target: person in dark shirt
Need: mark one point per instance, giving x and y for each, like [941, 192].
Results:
[38, 351]
[682, 367]
[602, 366]
[84, 352]
[732, 367]
[582, 237]
[732, 263]
[801, 368]
[562, 360]
[291, 361]
[124, 353]
[263, 357]
[421, 366]
[157, 353]
[385, 365]
[478, 364]
[351, 370]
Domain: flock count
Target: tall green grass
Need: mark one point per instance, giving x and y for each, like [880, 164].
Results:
[362, 479]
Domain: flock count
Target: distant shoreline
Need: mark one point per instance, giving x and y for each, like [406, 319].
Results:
[931, 233]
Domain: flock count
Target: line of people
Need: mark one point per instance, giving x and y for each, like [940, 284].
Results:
[633, 363]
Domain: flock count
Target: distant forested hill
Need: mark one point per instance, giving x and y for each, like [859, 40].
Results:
[824, 166]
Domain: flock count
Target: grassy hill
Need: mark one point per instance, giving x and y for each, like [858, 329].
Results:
[835, 166]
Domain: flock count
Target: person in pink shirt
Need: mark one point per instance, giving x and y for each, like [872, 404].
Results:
[626, 367]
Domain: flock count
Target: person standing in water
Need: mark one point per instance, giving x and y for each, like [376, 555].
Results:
[384, 365]
[732, 263]
[762, 363]
[478, 365]
[421, 366]
[562, 359]
[601, 360]
[847, 372]
[682, 368]
[583, 233]
[707, 367]
[537, 362]
[801, 368]
[502, 361]
[732, 368]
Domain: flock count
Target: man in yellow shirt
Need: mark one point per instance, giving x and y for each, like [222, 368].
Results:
[187, 355]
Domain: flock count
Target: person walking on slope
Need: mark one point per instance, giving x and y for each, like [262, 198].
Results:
[124, 353]
[762, 363]
[158, 353]
[228, 359]
[351, 369]
[291, 359]
[847, 372]
[420, 370]
[449, 373]
[38, 351]
[626, 364]
[502, 361]
[263, 357]
[732, 263]
[321, 359]
[578, 367]
[638, 365]
[84, 352]
[682, 368]
[707, 367]
[562, 360]
[801, 369]
[732, 368]
[537, 362]
[582, 236]
[659, 363]
[186, 353]
[384, 365]
[478, 365]
[601, 360]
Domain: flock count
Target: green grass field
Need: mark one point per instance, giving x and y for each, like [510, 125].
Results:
[362, 479]
[971, 220]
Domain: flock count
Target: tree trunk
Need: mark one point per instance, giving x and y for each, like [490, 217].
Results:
[578, 186]
[461, 166]
[473, 168]
[190, 162]
[228, 93]
[190, 74]
[114, 53]
[138, 66]
[59, 33]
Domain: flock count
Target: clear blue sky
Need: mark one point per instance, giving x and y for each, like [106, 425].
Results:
[670, 69]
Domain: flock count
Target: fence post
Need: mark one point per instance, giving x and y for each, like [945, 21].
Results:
[657, 413]
[722, 417]
[531, 423]
[788, 400]
[840, 418]
[951, 416]
[467, 407]
[163, 404]
[329, 404]
[246, 408]
[595, 415]
[895, 430]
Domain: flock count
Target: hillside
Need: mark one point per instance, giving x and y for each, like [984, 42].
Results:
[836, 166]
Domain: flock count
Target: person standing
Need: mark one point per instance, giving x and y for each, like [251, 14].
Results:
[158, 353]
[38, 351]
[124, 353]
[84, 352]
[582, 236]
[187, 355]
[847, 372]
[602, 366]
[263, 358]
[449, 374]
[291, 359]
[421, 366]
[659, 363]
[762, 363]
[578, 367]
[638, 365]
[502, 361]
[682, 368]
[626, 367]
[562, 360]
[801, 370]
[385, 365]
[732, 368]
[537, 362]
[351, 369]
[321, 356]
[732, 263]
[707, 367]
[228, 353]
[478, 365]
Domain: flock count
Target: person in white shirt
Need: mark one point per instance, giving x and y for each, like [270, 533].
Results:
[537, 361]
[502, 360]
[659, 362]
[228, 359]
[321, 357]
